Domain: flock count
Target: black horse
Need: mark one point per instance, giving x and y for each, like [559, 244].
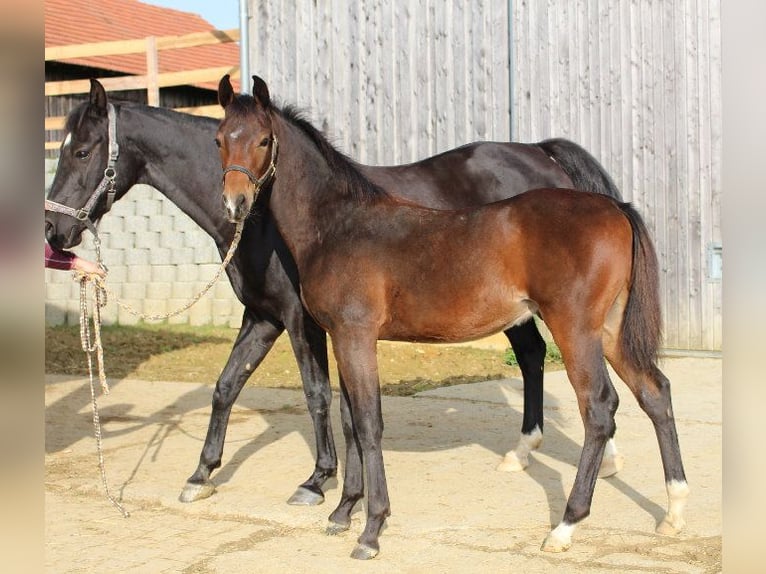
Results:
[175, 153]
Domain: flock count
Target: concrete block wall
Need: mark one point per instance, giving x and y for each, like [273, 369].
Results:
[158, 259]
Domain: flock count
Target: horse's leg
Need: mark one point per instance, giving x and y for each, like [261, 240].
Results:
[355, 351]
[597, 401]
[309, 344]
[652, 390]
[353, 479]
[529, 347]
[256, 336]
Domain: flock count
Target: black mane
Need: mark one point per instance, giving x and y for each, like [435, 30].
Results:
[81, 112]
[345, 168]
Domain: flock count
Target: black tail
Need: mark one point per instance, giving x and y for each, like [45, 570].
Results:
[586, 173]
[641, 332]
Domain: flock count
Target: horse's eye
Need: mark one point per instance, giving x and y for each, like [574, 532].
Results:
[217, 143]
[265, 142]
[82, 154]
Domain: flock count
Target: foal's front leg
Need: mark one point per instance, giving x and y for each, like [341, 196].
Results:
[309, 344]
[355, 351]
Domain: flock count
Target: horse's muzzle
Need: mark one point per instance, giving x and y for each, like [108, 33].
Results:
[236, 208]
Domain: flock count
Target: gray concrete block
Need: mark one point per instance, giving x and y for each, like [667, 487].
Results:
[139, 274]
[200, 313]
[120, 240]
[149, 207]
[183, 291]
[136, 223]
[187, 272]
[159, 291]
[161, 223]
[147, 239]
[171, 239]
[124, 317]
[134, 291]
[166, 273]
[112, 257]
[136, 257]
[182, 256]
[57, 291]
[160, 256]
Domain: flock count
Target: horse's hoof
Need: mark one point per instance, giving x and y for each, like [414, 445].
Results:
[512, 463]
[305, 497]
[194, 491]
[611, 465]
[334, 528]
[364, 552]
[670, 526]
[555, 543]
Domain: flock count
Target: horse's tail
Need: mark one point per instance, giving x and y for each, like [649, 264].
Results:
[641, 331]
[586, 173]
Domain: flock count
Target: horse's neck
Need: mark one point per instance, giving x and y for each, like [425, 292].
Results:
[309, 201]
[180, 161]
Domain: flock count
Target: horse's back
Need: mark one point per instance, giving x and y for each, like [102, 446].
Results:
[471, 175]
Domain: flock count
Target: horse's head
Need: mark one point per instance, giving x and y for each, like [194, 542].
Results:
[247, 145]
[72, 204]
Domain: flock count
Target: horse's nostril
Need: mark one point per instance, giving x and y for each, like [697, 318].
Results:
[240, 202]
[49, 231]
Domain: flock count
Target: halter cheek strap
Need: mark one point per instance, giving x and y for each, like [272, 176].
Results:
[258, 182]
[107, 184]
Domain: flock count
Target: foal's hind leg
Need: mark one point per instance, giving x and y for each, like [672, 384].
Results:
[652, 390]
[529, 347]
[597, 401]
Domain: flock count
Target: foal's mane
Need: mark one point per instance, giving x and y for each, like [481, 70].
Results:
[344, 168]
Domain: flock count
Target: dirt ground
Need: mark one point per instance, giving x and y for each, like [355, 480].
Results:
[452, 511]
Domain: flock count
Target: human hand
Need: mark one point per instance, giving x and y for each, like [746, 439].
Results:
[90, 267]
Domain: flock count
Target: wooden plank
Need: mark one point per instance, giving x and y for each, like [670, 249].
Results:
[152, 72]
[211, 111]
[117, 47]
[140, 82]
[55, 123]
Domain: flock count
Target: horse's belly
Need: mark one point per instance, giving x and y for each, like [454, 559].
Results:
[454, 323]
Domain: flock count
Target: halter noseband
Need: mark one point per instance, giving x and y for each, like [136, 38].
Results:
[107, 184]
[257, 182]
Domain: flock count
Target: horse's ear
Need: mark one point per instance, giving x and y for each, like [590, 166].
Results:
[97, 96]
[261, 92]
[225, 91]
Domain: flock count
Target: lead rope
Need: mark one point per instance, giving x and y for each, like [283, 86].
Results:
[90, 336]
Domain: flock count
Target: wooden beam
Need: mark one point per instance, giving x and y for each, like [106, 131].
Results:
[56, 122]
[140, 82]
[133, 46]
[212, 111]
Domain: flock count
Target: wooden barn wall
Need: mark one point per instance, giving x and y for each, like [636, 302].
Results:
[636, 82]
[390, 82]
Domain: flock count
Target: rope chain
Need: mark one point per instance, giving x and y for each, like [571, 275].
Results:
[90, 336]
[197, 297]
